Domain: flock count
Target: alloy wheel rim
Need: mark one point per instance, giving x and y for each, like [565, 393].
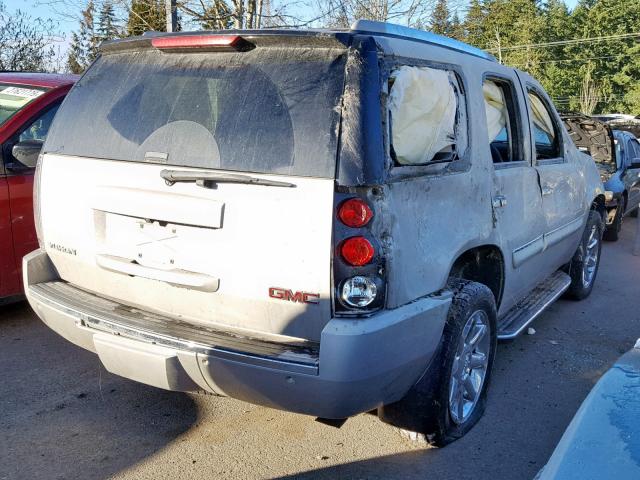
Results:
[469, 366]
[590, 257]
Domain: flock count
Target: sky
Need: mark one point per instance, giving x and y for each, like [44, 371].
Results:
[66, 25]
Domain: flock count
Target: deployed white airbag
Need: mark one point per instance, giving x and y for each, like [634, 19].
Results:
[495, 108]
[541, 116]
[423, 107]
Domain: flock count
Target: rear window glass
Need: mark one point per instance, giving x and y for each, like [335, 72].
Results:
[269, 110]
[15, 97]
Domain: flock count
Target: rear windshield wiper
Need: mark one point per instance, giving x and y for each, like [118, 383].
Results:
[208, 179]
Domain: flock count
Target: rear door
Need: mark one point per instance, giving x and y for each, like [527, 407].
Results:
[8, 274]
[25, 145]
[251, 252]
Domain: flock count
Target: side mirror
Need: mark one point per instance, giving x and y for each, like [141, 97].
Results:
[27, 153]
[635, 163]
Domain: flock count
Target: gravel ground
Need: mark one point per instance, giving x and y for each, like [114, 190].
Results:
[62, 416]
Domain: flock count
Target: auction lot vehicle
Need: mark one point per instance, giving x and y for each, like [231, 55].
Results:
[620, 121]
[326, 222]
[602, 439]
[617, 156]
[28, 103]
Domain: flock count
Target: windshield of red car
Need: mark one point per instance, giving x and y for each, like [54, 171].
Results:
[15, 97]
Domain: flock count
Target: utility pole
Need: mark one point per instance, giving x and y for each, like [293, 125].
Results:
[172, 15]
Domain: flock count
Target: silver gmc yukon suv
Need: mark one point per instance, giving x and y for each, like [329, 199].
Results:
[325, 222]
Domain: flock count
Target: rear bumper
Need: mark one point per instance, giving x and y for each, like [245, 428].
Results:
[358, 365]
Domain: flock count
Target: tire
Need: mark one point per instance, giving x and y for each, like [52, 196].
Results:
[583, 268]
[634, 213]
[426, 411]
[612, 232]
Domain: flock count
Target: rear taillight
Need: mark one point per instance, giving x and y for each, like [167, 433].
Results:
[202, 43]
[357, 251]
[359, 266]
[355, 213]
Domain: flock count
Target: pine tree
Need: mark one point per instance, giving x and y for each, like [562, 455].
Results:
[84, 43]
[75, 60]
[474, 24]
[146, 15]
[107, 26]
[440, 22]
[616, 68]
[456, 29]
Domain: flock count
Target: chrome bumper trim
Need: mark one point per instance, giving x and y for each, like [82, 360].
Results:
[103, 315]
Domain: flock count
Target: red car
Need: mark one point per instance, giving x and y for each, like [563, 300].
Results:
[28, 103]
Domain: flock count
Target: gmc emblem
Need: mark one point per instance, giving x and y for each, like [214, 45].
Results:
[297, 297]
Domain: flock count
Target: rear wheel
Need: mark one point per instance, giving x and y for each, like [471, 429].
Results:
[583, 268]
[450, 397]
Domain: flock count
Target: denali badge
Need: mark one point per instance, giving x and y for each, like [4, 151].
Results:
[62, 248]
[298, 297]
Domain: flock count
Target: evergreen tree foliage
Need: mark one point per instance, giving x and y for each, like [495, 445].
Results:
[84, 43]
[457, 28]
[440, 21]
[108, 28]
[608, 68]
[146, 15]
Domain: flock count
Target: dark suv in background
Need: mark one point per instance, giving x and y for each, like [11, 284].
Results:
[617, 156]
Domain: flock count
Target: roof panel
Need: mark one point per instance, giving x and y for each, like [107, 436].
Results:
[50, 80]
[390, 29]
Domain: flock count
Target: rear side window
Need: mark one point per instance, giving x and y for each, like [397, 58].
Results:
[545, 133]
[502, 125]
[268, 111]
[424, 115]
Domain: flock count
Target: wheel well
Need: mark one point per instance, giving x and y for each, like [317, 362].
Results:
[484, 264]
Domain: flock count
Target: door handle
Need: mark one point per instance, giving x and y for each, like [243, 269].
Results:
[499, 201]
[546, 190]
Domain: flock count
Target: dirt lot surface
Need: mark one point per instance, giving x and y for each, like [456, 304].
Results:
[63, 416]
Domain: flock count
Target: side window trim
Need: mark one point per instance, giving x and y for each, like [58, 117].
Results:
[515, 117]
[534, 89]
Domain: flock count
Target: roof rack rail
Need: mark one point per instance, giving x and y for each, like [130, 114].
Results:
[393, 30]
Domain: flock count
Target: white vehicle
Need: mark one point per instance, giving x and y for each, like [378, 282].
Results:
[326, 222]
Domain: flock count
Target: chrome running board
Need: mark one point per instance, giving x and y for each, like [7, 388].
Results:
[527, 310]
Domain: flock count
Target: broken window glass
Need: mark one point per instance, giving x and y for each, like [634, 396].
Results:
[501, 124]
[544, 131]
[422, 106]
